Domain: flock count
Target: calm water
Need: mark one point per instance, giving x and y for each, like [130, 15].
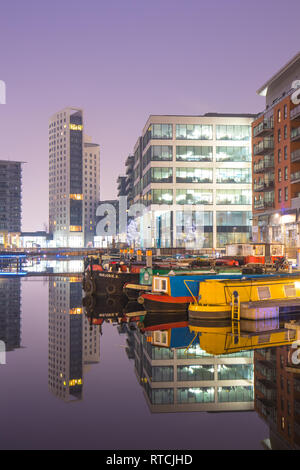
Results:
[65, 386]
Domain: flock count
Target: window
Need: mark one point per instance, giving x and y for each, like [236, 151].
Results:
[158, 131]
[285, 111]
[263, 292]
[161, 175]
[279, 195]
[162, 196]
[194, 154]
[285, 152]
[233, 196]
[194, 196]
[285, 173]
[196, 395]
[279, 175]
[279, 115]
[195, 372]
[233, 175]
[278, 135]
[194, 175]
[235, 394]
[279, 156]
[161, 153]
[286, 194]
[224, 132]
[193, 132]
[234, 218]
[233, 154]
[285, 131]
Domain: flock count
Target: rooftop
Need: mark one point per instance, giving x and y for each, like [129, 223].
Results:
[262, 91]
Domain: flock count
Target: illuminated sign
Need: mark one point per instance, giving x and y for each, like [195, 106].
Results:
[75, 228]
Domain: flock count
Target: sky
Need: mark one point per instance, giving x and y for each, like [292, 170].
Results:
[122, 60]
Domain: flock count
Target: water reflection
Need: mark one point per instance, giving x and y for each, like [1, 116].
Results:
[180, 365]
[277, 398]
[10, 313]
[73, 345]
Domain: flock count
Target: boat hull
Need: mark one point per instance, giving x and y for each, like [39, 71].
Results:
[99, 283]
[165, 303]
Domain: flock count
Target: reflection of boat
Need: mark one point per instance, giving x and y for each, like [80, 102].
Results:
[226, 337]
[110, 308]
[253, 298]
[169, 331]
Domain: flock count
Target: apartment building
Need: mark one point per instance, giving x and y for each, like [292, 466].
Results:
[74, 180]
[276, 160]
[10, 202]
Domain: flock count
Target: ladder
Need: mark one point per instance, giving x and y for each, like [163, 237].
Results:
[235, 307]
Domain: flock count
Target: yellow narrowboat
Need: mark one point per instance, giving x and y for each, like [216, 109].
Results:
[251, 299]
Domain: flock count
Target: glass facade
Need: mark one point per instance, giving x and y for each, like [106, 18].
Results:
[234, 218]
[233, 154]
[194, 196]
[235, 394]
[233, 132]
[158, 131]
[161, 175]
[195, 395]
[162, 196]
[235, 372]
[185, 153]
[194, 132]
[194, 175]
[233, 175]
[158, 153]
[195, 372]
[233, 196]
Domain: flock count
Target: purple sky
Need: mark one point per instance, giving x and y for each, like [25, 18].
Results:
[121, 60]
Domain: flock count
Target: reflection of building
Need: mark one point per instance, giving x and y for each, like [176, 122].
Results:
[176, 380]
[10, 313]
[10, 202]
[276, 160]
[277, 397]
[72, 345]
[193, 174]
[74, 175]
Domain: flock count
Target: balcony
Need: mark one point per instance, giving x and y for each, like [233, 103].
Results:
[295, 177]
[268, 163]
[259, 187]
[264, 147]
[295, 113]
[258, 167]
[264, 128]
[295, 134]
[259, 204]
[295, 156]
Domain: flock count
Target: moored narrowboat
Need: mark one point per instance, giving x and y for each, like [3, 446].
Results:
[175, 292]
[249, 298]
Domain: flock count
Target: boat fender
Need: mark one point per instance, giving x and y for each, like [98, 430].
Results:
[90, 286]
[140, 300]
[111, 289]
